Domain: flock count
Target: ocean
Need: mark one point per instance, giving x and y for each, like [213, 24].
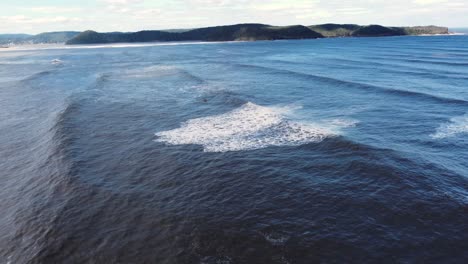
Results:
[347, 150]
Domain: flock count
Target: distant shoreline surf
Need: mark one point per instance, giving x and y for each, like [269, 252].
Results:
[27, 47]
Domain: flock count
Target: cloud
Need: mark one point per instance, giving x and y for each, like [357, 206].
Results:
[121, 6]
[429, 2]
[218, 3]
[147, 12]
[353, 11]
[132, 15]
[282, 5]
[21, 19]
[118, 9]
[122, 2]
[53, 9]
[441, 5]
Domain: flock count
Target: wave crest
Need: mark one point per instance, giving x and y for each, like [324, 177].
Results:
[458, 125]
[246, 128]
[151, 71]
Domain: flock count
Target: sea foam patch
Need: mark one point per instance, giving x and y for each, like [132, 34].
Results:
[246, 128]
[56, 61]
[457, 126]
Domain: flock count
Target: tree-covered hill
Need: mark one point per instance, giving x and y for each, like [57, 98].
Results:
[240, 32]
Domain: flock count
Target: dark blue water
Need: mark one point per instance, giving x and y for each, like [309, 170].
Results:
[317, 151]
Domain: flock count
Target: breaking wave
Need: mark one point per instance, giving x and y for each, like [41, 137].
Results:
[457, 125]
[248, 127]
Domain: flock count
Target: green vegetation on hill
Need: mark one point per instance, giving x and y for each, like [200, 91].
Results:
[239, 32]
[376, 31]
[54, 37]
[335, 30]
[247, 32]
[93, 37]
[48, 37]
[351, 30]
[428, 30]
[13, 38]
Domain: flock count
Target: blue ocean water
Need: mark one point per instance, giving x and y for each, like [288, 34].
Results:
[347, 150]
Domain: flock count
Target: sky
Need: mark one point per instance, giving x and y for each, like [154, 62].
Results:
[35, 16]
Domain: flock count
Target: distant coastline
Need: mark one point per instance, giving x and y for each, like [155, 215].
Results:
[238, 32]
[255, 32]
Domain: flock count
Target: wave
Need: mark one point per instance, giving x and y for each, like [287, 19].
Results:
[457, 126]
[46, 160]
[222, 97]
[444, 63]
[446, 56]
[358, 85]
[33, 47]
[421, 60]
[407, 71]
[160, 71]
[151, 71]
[420, 48]
[372, 61]
[248, 127]
[37, 75]
[56, 61]
[101, 79]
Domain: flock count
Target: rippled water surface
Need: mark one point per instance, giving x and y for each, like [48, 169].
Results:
[333, 151]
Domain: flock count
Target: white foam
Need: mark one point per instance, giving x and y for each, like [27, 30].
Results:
[340, 122]
[26, 47]
[275, 239]
[246, 128]
[56, 61]
[457, 126]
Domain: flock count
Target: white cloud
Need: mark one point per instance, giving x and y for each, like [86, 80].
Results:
[353, 11]
[121, 6]
[428, 2]
[132, 15]
[118, 9]
[148, 12]
[53, 9]
[122, 2]
[21, 19]
[282, 5]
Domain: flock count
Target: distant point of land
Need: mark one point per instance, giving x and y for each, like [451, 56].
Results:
[238, 32]
[253, 32]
